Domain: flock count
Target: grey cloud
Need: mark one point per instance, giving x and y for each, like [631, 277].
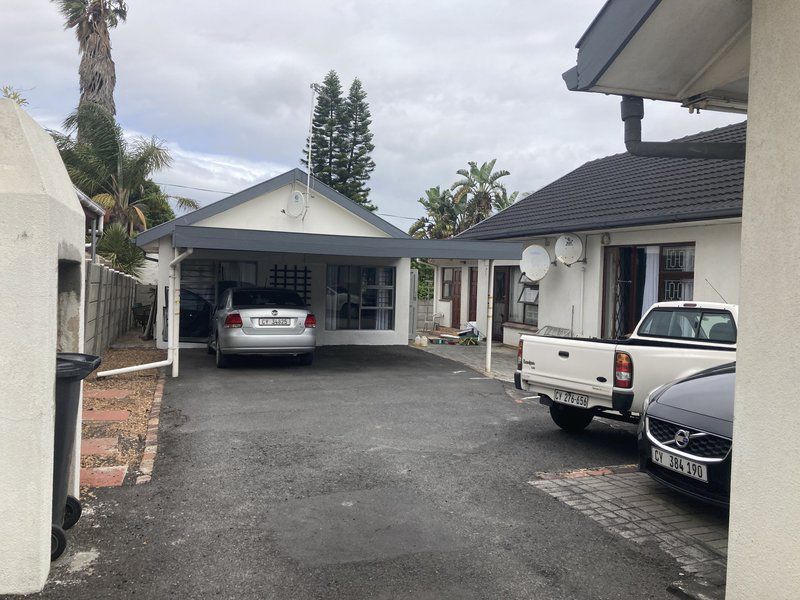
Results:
[227, 85]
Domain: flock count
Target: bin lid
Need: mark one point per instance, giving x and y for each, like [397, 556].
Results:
[71, 365]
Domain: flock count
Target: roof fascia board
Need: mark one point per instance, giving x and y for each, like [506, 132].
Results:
[218, 238]
[265, 187]
[621, 224]
[607, 35]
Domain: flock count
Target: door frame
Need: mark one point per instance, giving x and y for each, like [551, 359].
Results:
[496, 323]
[455, 299]
[472, 311]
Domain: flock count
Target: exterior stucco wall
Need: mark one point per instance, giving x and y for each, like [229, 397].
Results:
[562, 303]
[41, 233]
[764, 548]
[318, 272]
[264, 213]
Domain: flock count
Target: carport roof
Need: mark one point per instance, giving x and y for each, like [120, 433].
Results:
[250, 240]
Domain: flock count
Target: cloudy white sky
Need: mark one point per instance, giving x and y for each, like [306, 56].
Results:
[226, 85]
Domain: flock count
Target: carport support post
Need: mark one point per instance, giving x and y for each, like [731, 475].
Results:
[489, 315]
[175, 319]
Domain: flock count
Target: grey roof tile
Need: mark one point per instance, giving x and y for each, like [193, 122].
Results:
[625, 190]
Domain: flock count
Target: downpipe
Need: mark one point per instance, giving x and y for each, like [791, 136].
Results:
[632, 112]
[172, 349]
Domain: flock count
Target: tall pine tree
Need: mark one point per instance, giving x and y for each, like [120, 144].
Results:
[356, 164]
[341, 141]
[327, 131]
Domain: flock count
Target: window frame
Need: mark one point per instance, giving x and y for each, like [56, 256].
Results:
[664, 275]
[703, 312]
[362, 288]
[446, 280]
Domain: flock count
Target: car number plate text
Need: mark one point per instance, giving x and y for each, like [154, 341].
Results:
[570, 398]
[272, 322]
[680, 465]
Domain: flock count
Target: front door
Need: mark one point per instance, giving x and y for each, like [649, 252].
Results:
[473, 294]
[455, 301]
[502, 280]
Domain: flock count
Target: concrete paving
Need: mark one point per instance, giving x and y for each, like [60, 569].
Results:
[504, 358]
[375, 473]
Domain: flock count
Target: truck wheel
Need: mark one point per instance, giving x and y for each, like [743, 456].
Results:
[570, 418]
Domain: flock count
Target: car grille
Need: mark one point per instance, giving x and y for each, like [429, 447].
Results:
[707, 446]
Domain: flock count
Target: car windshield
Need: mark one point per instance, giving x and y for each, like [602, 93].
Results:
[270, 298]
[690, 324]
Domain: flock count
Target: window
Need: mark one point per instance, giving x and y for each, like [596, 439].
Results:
[447, 283]
[677, 273]
[359, 298]
[690, 324]
[266, 298]
[524, 299]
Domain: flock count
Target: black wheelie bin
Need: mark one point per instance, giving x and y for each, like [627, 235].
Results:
[71, 369]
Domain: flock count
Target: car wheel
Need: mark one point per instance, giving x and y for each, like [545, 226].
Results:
[306, 359]
[222, 361]
[570, 418]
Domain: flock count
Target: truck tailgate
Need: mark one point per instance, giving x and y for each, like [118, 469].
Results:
[580, 366]
[655, 365]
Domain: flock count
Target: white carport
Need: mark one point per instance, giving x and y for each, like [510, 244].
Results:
[352, 268]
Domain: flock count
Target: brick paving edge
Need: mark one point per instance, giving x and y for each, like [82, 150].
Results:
[151, 439]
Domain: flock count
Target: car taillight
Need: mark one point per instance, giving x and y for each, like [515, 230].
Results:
[233, 320]
[519, 356]
[311, 321]
[623, 370]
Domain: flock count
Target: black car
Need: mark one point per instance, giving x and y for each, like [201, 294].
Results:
[686, 433]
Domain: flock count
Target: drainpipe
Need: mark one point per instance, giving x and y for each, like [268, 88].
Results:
[489, 318]
[632, 112]
[173, 302]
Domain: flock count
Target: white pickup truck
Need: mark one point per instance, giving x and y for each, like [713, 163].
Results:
[580, 379]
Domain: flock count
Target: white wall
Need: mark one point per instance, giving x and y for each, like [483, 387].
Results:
[717, 259]
[42, 224]
[764, 547]
[318, 267]
[264, 213]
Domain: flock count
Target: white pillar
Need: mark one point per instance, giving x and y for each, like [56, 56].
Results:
[175, 317]
[489, 315]
[764, 545]
[42, 236]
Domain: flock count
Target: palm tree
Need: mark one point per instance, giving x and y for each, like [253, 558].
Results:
[91, 20]
[503, 200]
[108, 167]
[478, 190]
[117, 247]
[442, 216]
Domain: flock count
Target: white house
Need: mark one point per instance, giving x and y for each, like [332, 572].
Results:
[352, 267]
[652, 229]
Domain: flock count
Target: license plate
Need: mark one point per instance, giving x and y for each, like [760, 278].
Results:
[270, 322]
[680, 465]
[570, 398]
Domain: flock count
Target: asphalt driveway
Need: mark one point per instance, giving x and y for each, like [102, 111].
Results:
[376, 473]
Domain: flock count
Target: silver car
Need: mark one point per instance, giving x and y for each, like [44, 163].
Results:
[262, 321]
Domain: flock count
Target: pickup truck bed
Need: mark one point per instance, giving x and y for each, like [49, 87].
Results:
[583, 378]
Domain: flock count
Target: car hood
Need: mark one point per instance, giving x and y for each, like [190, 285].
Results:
[703, 401]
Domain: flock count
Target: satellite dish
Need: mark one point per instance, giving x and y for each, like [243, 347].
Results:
[535, 262]
[569, 249]
[296, 204]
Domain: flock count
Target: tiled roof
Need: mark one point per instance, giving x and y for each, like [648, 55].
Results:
[624, 191]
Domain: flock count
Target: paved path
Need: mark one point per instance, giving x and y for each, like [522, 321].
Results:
[504, 358]
[376, 473]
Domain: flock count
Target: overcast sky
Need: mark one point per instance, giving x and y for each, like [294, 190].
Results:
[226, 85]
